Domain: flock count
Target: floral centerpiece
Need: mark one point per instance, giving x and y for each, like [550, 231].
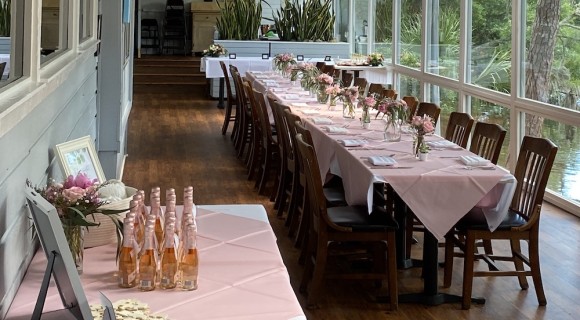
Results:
[308, 74]
[76, 200]
[422, 126]
[283, 60]
[397, 113]
[375, 59]
[215, 50]
[333, 91]
[366, 104]
[349, 97]
[323, 81]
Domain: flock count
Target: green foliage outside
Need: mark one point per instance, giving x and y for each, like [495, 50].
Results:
[5, 14]
[308, 20]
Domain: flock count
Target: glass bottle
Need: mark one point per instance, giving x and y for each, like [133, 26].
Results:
[139, 223]
[127, 274]
[148, 262]
[189, 263]
[155, 213]
[169, 260]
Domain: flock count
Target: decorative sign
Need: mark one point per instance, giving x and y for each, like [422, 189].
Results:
[299, 57]
[232, 56]
[79, 155]
[327, 58]
[265, 56]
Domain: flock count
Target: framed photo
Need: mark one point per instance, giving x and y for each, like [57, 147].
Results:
[327, 58]
[79, 155]
[232, 55]
[299, 57]
[265, 56]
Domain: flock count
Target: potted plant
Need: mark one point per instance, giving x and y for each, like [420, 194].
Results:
[239, 19]
[5, 15]
[308, 20]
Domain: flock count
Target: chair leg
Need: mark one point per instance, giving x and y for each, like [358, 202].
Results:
[318, 274]
[409, 234]
[448, 267]
[487, 248]
[308, 266]
[468, 270]
[519, 265]
[535, 268]
[236, 129]
[227, 118]
[392, 270]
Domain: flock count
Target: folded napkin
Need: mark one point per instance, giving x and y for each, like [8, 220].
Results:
[443, 144]
[332, 129]
[321, 120]
[474, 161]
[309, 111]
[382, 161]
[353, 142]
[299, 104]
[262, 76]
[291, 97]
[257, 72]
[279, 89]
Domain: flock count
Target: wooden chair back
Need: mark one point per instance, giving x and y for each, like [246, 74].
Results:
[2, 68]
[487, 140]
[390, 93]
[320, 65]
[347, 79]
[430, 109]
[412, 103]
[262, 109]
[533, 169]
[283, 133]
[253, 104]
[459, 128]
[231, 97]
[361, 83]
[377, 89]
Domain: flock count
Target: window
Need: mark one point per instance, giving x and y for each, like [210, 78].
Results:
[85, 22]
[361, 26]
[447, 100]
[54, 28]
[384, 28]
[486, 111]
[410, 34]
[443, 39]
[11, 40]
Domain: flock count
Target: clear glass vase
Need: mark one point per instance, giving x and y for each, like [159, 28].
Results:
[393, 130]
[366, 118]
[75, 237]
[348, 110]
[322, 96]
[418, 141]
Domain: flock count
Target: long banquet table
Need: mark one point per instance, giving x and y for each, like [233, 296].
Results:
[241, 274]
[440, 191]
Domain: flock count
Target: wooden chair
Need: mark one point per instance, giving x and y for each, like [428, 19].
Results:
[521, 223]
[330, 226]
[412, 103]
[269, 143]
[487, 140]
[459, 128]
[377, 89]
[361, 83]
[287, 163]
[430, 109]
[243, 129]
[231, 100]
[347, 79]
[390, 93]
[320, 65]
[2, 68]
[255, 145]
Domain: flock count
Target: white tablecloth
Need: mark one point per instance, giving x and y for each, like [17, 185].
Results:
[212, 69]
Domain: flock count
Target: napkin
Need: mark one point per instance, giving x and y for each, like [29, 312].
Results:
[332, 129]
[443, 144]
[279, 89]
[321, 120]
[299, 104]
[382, 161]
[262, 76]
[309, 111]
[352, 142]
[474, 161]
[291, 97]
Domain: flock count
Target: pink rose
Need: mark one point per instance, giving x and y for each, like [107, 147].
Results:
[73, 194]
[428, 126]
[417, 121]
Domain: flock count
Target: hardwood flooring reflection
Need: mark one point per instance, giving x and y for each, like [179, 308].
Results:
[174, 140]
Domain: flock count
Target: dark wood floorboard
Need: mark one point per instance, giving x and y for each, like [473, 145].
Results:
[174, 140]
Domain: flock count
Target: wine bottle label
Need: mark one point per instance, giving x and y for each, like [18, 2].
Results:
[165, 281]
[190, 283]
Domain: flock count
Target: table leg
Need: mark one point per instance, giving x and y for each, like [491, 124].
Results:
[221, 94]
[431, 295]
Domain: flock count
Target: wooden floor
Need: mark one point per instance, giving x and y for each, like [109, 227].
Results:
[175, 140]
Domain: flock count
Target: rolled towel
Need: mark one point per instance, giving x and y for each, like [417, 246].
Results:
[474, 161]
[321, 120]
[382, 161]
[332, 129]
[353, 142]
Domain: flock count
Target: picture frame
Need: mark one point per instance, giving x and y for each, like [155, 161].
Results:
[232, 56]
[265, 56]
[80, 155]
[300, 57]
[327, 58]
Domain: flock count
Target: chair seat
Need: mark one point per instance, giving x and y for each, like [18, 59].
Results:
[475, 219]
[358, 218]
[334, 196]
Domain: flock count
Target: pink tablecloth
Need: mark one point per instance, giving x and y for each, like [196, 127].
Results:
[241, 274]
[439, 191]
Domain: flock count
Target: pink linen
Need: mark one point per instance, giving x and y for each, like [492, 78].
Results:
[241, 276]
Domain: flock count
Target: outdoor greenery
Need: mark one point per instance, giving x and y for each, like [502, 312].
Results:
[5, 15]
[308, 20]
[239, 19]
